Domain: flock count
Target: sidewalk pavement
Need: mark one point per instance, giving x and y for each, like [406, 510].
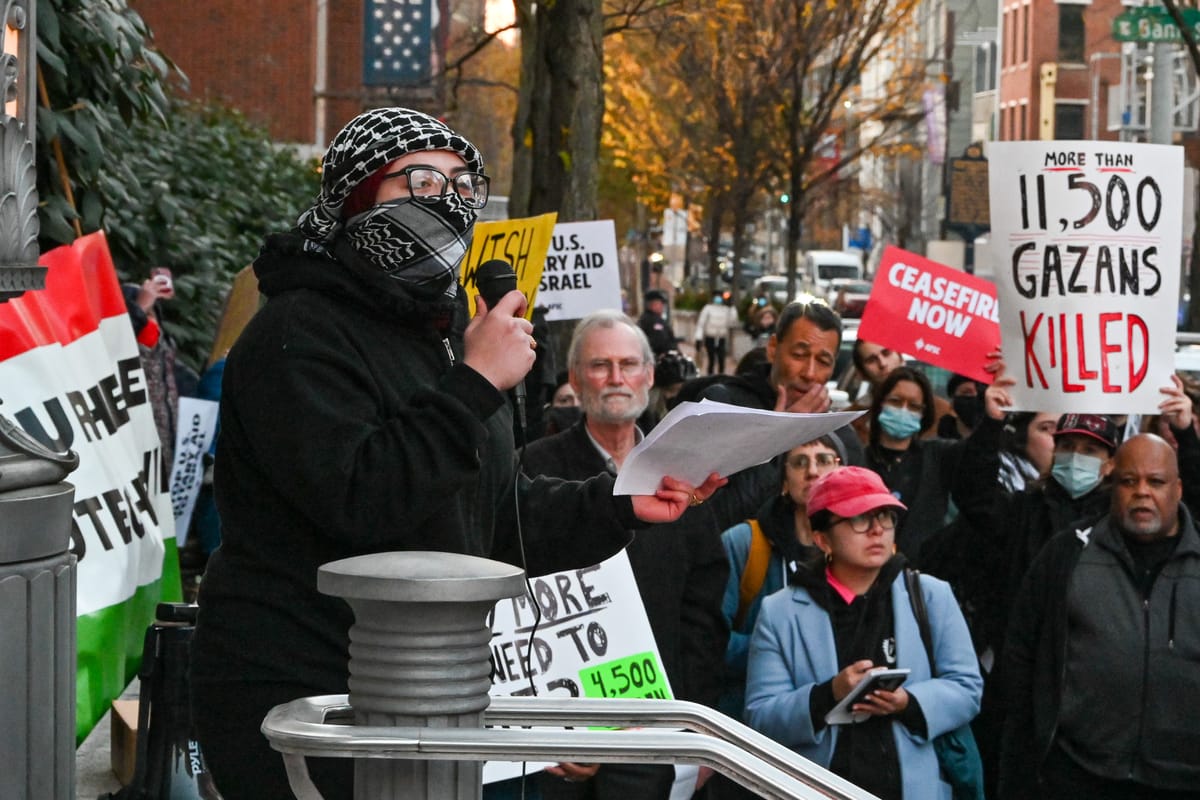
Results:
[93, 758]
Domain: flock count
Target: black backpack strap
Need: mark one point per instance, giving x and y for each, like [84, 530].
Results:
[912, 580]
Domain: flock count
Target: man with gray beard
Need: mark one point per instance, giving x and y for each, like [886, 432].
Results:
[680, 571]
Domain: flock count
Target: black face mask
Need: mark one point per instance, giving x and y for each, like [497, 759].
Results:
[968, 409]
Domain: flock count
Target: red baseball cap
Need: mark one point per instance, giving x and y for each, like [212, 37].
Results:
[850, 491]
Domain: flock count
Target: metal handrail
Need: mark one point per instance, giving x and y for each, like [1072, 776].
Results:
[676, 714]
[319, 726]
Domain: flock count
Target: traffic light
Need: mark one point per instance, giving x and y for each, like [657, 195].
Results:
[784, 198]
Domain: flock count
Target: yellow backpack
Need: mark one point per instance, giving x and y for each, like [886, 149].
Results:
[755, 573]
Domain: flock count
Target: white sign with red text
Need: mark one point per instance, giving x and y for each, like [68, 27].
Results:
[1086, 241]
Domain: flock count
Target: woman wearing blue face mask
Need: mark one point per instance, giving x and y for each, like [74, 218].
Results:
[926, 474]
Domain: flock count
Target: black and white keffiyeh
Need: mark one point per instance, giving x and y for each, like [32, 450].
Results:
[417, 244]
[370, 141]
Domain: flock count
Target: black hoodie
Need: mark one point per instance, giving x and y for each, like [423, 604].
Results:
[350, 426]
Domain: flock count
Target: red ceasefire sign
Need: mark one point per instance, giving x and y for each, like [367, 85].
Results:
[936, 314]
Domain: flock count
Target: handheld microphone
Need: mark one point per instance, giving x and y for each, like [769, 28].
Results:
[494, 279]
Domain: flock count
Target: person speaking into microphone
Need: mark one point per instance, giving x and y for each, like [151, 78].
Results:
[363, 412]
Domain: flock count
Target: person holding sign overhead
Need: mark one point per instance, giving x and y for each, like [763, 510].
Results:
[361, 413]
[927, 474]
[822, 635]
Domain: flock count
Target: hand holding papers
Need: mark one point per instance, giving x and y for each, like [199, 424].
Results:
[696, 439]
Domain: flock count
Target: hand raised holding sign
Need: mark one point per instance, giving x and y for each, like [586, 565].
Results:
[1177, 408]
[996, 400]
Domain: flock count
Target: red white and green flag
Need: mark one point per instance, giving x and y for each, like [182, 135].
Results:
[70, 376]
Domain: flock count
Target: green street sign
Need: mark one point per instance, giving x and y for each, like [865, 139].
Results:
[1154, 24]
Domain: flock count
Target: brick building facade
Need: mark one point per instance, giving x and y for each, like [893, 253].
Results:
[296, 68]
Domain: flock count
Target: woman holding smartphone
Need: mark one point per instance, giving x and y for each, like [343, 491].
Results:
[816, 639]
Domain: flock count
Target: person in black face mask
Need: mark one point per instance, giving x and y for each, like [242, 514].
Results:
[966, 398]
[362, 412]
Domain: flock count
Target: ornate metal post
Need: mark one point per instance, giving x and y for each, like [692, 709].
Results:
[19, 271]
[37, 573]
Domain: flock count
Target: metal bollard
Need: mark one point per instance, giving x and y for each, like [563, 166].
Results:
[419, 657]
[37, 620]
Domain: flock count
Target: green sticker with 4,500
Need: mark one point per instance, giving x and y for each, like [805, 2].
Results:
[635, 676]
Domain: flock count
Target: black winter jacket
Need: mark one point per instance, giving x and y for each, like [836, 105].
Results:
[1168, 656]
[680, 569]
[349, 427]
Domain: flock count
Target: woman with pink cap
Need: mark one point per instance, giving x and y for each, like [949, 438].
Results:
[817, 638]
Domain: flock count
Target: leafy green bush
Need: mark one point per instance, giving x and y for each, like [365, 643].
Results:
[189, 187]
[691, 300]
[209, 187]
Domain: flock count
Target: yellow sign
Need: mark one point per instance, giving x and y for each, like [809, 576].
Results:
[521, 242]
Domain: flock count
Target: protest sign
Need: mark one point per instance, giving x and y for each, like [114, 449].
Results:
[72, 379]
[582, 273]
[937, 314]
[1086, 242]
[593, 640]
[523, 243]
[197, 427]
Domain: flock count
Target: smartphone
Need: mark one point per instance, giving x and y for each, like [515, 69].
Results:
[879, 679]
[162, 276]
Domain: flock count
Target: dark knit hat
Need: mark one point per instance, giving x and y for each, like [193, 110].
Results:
[370, 141]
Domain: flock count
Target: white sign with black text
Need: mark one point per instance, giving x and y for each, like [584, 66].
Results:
[592, 639]
[582, 273]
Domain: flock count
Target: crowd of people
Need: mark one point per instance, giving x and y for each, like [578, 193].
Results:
[1037, 575]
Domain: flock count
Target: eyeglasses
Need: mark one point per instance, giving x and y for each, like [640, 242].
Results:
[803, 460]
[600, 369]
[427, 185]
[861, 523]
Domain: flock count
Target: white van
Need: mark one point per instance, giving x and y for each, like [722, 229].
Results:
[822, 267]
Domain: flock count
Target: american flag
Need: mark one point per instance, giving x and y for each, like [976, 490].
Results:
[397, 42]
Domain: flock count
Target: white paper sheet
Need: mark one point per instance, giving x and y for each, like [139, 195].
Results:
[696, 439]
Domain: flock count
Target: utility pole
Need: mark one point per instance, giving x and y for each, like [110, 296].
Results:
[1162, 95]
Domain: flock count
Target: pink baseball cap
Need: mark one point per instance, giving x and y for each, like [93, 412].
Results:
[850, 491]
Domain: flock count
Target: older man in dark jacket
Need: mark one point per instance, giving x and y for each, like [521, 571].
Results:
[680, 572]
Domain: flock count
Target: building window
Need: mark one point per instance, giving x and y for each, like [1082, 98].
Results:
[1070, 33]
[1022, 131]
[1010, 37]
[1024, 34]
[985, 67]
[1068, 120]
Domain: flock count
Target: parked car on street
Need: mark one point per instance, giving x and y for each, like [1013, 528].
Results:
[822, 267]
[848, 297]
[772, 287]
[750, 272]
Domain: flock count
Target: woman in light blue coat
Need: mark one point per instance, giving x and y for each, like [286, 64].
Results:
[818, 637]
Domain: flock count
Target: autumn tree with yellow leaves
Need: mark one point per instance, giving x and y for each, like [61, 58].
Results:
[735, 103]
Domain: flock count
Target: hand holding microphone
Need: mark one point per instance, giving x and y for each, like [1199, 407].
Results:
[498, 344]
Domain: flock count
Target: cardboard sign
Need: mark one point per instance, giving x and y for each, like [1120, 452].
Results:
[1086, 242]
[593, 640]
[937, 314]
[582, 273]
[521, 242]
